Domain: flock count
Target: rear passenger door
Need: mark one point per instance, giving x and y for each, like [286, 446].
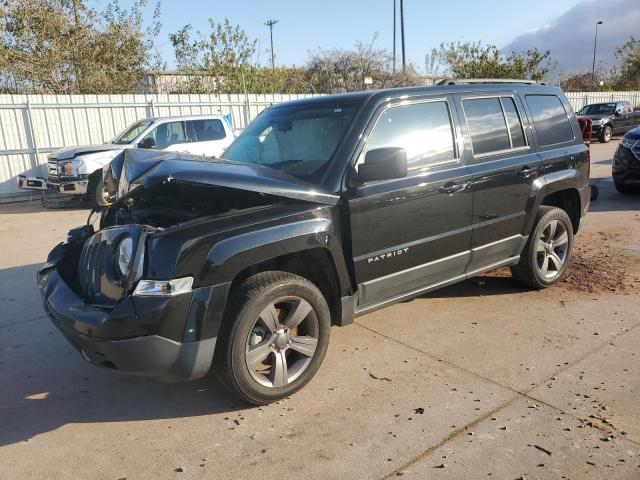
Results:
[503, 167]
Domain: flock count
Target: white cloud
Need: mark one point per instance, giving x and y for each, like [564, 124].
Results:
[570, 36]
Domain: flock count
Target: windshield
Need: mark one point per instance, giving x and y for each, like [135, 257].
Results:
[130, 133]
[298, 139]
[598, 109]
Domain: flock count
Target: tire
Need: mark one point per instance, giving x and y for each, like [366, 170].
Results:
[95, 191]
[530, 270]
[607, 133]
[247, 337]
[622, 188]
[595, 192]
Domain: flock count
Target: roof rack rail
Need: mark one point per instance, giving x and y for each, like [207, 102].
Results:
[465, 81]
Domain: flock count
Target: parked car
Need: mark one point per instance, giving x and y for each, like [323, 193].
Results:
[321, 210]
[612, 118]
[78, 171]
[626, 163]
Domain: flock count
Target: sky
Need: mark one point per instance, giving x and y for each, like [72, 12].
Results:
[305, 26]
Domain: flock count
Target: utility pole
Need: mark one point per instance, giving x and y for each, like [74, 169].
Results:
[404, 58]
[394, 36]
[593, 67]
[270, 24]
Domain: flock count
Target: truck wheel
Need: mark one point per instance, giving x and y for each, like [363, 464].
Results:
[275, 339]
[546, 255]
[95, 191]
[605, 136]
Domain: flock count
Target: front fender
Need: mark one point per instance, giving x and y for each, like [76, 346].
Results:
[231, 256]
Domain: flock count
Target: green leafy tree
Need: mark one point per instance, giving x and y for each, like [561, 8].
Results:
[67, 46]
[474, 60]
[225, 53]
[627, 74]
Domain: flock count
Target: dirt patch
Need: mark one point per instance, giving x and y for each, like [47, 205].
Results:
[598, 264]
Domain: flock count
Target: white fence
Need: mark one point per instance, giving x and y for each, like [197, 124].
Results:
[31, 126]
[580, 99]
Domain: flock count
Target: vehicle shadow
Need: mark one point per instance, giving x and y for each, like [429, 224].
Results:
[610, 200]
[45, 384]
[495, 282]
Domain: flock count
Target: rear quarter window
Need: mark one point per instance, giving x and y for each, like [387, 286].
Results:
[550, 119]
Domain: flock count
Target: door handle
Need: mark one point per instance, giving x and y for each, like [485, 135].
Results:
[452, 187]
[527, 172]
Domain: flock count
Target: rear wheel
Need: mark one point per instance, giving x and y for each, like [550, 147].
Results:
[276, 337]
[605, 136]
[546, 255]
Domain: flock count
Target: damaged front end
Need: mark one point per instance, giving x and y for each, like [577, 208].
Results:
[131, 295]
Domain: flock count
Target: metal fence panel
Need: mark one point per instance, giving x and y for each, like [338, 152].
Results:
[31, 126]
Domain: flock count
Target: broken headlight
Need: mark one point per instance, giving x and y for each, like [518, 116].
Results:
[124, 259]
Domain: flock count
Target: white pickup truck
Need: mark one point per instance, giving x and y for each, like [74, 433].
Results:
[78, 170]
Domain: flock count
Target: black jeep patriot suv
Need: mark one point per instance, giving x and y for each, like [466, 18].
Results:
[321, 210]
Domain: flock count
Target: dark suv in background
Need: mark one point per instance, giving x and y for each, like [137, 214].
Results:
[611, 118]
[626, 163]
[321, 210]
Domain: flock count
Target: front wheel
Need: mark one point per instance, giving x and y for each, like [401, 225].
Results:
[96, 192]
[546, 255]
[275, 338]
[605, 136]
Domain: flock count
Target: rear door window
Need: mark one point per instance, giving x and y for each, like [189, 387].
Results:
[209, 130]
[487, 125]
[550, 118]
[513, 122]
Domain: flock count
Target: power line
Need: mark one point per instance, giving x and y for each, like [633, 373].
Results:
[270, 24]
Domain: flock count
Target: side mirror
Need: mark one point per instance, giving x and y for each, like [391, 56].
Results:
[383, 164]
[618, 113]
[148, 142]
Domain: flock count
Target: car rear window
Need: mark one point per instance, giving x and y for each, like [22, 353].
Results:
[487, 125]
[208, 130]
[550, 118]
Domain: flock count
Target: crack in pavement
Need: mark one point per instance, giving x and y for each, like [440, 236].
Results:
[19, 322]
[518, 394]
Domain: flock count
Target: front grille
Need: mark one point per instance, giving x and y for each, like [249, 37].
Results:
[53, 175]
[91, 266]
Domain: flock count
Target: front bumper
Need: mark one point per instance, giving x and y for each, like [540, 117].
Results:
[625, 168]
[150, 355]
[71, 187]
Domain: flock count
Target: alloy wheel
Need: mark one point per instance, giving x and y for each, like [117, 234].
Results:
[551, 249]
[282, 342]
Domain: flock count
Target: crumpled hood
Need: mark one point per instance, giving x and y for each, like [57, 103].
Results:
[146, 168]
[69, 153]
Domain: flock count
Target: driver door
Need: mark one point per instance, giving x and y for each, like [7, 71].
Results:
[414, 233]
